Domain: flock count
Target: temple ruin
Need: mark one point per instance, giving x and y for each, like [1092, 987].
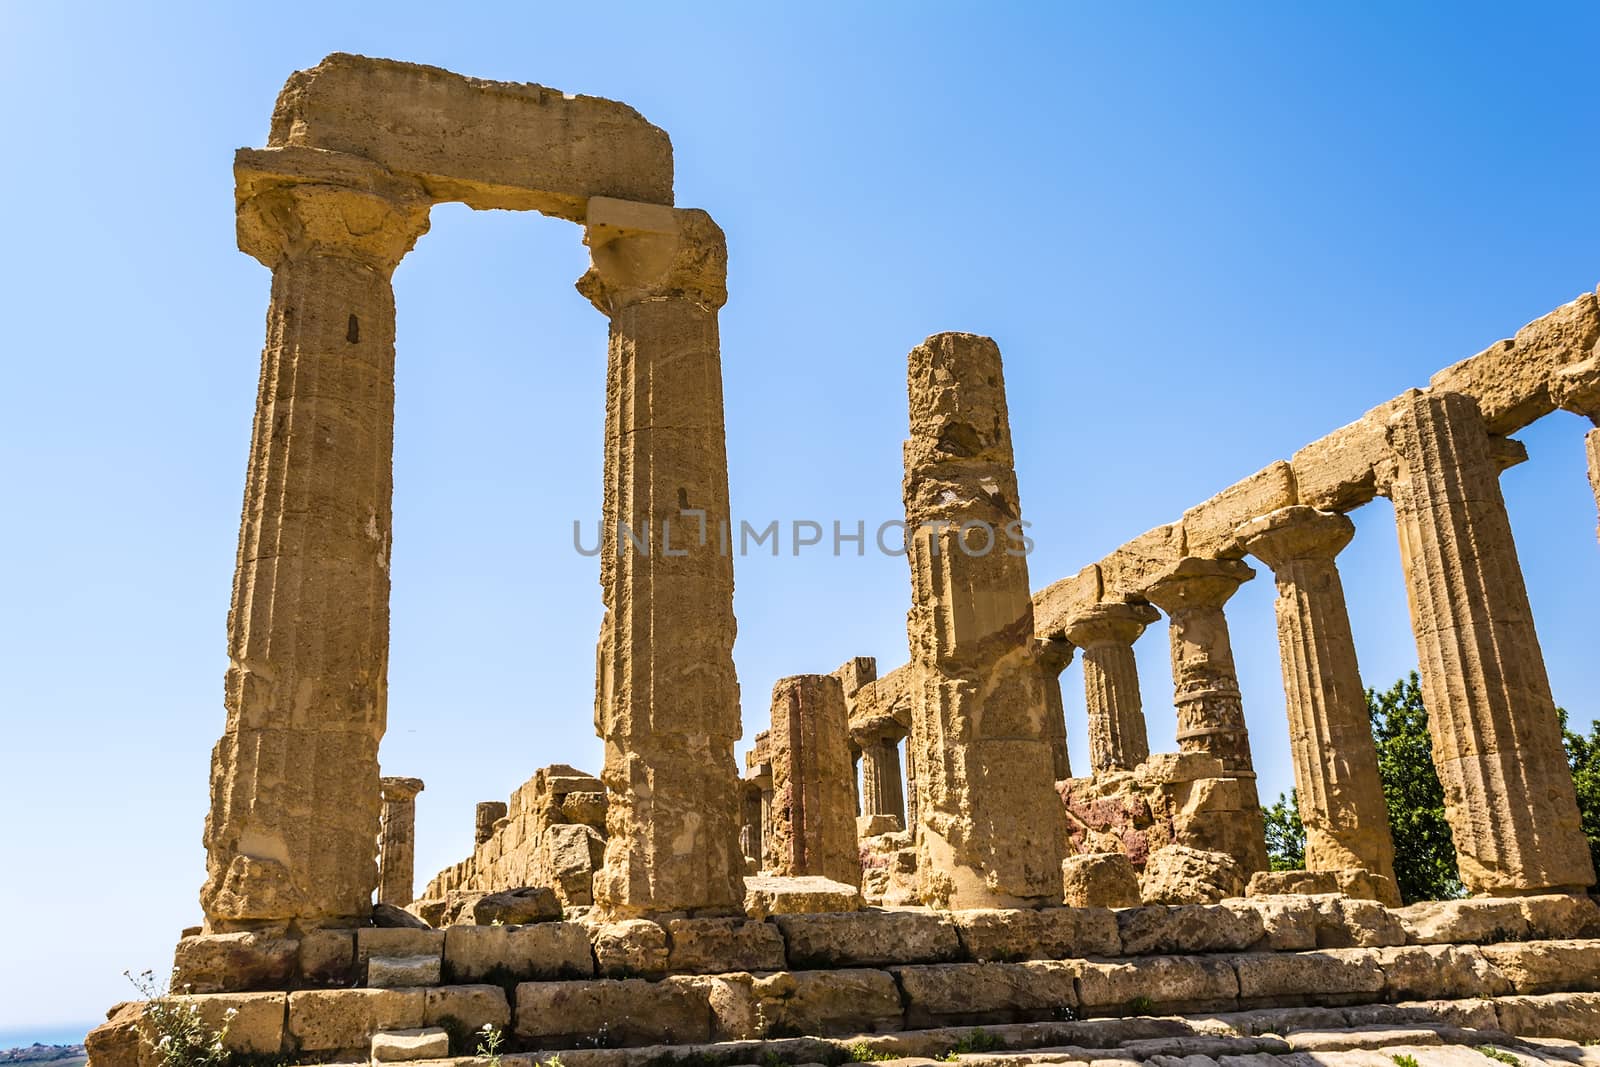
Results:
[908, 854]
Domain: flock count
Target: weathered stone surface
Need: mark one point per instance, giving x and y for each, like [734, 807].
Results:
[569, 857]
[254, 1023]
[1062, 600]
[716, 946]
[226, 963]
[1434, 922]
[1210, 528]
[1189, 928]
[607, 1013]
[1338, 472]
[1547, 966]
[397, 839]
[1327, 976]
[344, 1020]
[308, 627]
[1099, 880]
[327, 957]
[771, 895]
[847, 1001]
[667, 698]
[487, 813]
[390, 916]
[396, 942]
[1158, 983]
[397, 972]
[1177, 874]
[1290, 922]
[530, 904]
[401, 1046]
[1276, 883]
[1561, 915]
[471, 1006]
[1126, 573]
[1344, 922]
[868, 939]
[632, 948]
[1043, 934]
[1330, 737]
[546, 950]
[1496, 743]
[1420, 972]
[964, 994]
[990, 825]
[1574, 1016]
[1106, 633]
[811, 820]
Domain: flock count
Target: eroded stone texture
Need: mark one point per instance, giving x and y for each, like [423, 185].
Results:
[1330, 736]
[666, 696]
[1496, 743]
[990, 830]
[1106, 633]
[485, 816]
[1577, 388]
[294, 779]
[397, 844]
[813, 826]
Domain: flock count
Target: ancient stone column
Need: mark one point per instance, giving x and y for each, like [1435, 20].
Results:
[294, 779]
[1205, 686]
[1106, 633]
[1577, 388]
[1053, 659]
[1330, 735]
[666, 698]
[1496, 741]
[488, 813]
[881, 791]
[397, 840]
[813, 820]
[991, 829]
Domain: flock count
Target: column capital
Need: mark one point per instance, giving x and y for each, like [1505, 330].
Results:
[1577, 388]
[648, 251]
[1110, 623]
[291, 201]
[1054, 654]
[1193, 583]
[1295, 532]
[397, 789]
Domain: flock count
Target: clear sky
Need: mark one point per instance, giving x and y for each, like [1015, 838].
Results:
[1202, 234]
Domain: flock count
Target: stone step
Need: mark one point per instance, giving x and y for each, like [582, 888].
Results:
[404, 1046]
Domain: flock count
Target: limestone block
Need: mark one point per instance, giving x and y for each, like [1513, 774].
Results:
[735, 1009]
[1043, 934]
[631, 948]
[396, 972]
[1573, 1016]
[490, 144]
[875, 825]
[1512, 379]
[472, 1006]
[1275, 883]
[515, 907]
[1290, 922]
[847, 1001]
[327, 957]
[371, 941]
[1344, 922]
[1419, 972]
[869, 939]
[1358, 883]
[1099, 880]
[1189, 928]
[1164, 983]
[1547, 966]
[716, 946]
[256, 1025]
[1209, 527]
[545, 950]
[342, 1020]
[225, 963]
[1127, 572]
[1063, 600]
[587, 808]
[403, 1046]
[1434, 922]
[569, 856]
[1177, 874]
[120, 1041]
[773, 895]
[611, 1013]
[972, 994]
[1326, 976]
[1561, 915]
[1338, 472]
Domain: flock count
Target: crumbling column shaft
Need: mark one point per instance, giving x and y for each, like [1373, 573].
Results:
[1118, 739]
[1054, 656]
[397, 845]
[294, 814]
[813, 819]
[1496, 741]
[882, 793]
[1330, 736]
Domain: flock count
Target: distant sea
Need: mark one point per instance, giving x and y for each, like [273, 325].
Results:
[56, 1034]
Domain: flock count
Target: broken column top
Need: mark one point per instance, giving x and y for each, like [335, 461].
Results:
[958, 402]
[489, 144]
[400, 788]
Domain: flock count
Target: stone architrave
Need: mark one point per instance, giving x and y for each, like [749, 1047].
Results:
[397, 841]
[813, 821]
[1330, 735]
[294, 779]
[666, 696]
[1118, 739]
[485, 816]
[991, 829]
[1578, 390]
[1054, 656]
[1206, 688]
[1496, 739]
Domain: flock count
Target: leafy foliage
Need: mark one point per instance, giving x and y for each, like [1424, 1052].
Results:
[1583, 754]
[1286, 834]
[1424, 850]
[175, 1029]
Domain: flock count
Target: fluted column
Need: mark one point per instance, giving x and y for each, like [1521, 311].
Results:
[991, 827]
[1496, 741]
[667, 699]
[1330, 735]
[1054, 656]
[397, 841]
[881, 789]
[813, 829]
[294, 813]
[1106, 633]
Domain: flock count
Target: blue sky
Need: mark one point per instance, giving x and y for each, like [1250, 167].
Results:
[1202, 235]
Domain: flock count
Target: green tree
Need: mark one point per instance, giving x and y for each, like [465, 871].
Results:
[1424, 851]
[1286, 834]
[1583, 754]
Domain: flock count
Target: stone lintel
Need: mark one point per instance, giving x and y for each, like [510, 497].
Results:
[1208, 527]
